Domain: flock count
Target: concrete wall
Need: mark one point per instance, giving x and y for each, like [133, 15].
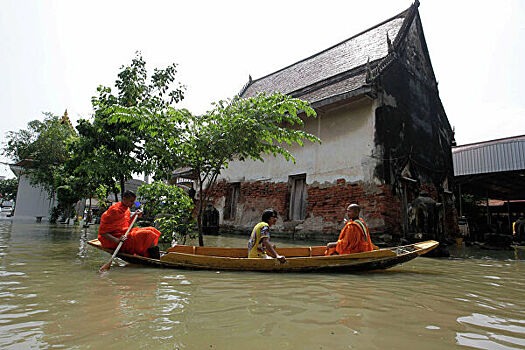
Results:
[338, 171]
[31, 201]
[413, 134]
[347, 136]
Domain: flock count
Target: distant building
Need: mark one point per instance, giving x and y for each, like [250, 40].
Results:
[493, 170]
[32, 201]
[385, 137]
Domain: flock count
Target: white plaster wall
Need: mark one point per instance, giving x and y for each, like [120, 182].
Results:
[347, 136]
[31, 201]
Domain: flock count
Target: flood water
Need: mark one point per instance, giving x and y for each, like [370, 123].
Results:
[51, 296]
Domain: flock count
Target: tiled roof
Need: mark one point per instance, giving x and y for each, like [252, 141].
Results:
[349, 84]
[334, 71]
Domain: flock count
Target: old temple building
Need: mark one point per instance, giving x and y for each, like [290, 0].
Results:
[386, 143]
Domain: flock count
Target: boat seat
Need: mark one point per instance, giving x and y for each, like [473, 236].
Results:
[294, 252]
[210, 251]
[225, 252]
[318, 251]
[243, 252]
[185, 249]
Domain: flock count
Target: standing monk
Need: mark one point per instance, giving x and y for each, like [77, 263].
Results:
[354, 237]
[115, 222]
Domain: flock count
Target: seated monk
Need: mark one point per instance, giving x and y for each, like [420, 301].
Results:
[115, 222]
[354, 237]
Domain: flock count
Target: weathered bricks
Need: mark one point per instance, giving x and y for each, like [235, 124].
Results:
[327, 203]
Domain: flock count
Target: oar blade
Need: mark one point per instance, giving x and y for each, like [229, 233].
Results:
[105, 267]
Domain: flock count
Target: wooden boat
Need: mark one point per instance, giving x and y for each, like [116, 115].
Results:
[297, 259]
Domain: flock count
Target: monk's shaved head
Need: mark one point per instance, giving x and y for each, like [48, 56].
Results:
[353, 211]
[129, 194]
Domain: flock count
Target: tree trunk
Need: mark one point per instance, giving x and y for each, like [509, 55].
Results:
[68, 214]
[89, 215]
[202, 201]
[122, 186]
[199, 216]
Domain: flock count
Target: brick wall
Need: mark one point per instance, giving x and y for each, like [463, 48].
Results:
[379, 207]
[258, 195]
[325, 210]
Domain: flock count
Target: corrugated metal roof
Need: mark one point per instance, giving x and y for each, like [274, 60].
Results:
[490, 157]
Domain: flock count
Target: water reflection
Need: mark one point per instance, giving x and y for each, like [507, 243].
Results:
[52, 296]
[510, 332]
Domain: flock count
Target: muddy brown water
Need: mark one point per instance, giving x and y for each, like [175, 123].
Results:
[51, 296]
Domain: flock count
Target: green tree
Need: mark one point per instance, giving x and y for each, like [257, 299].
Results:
[67, 196]
[241, 129]
[170, 207]
[8, 189]
[87, 163]
[237, 129]
[114, 148]
[101, 192]
[44, 145]
[166, 130]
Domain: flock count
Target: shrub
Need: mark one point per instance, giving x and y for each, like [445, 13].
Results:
[54, 214]
[170, 208]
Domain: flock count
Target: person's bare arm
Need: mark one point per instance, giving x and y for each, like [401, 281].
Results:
[138, 212]
[331, 245]
[270, 248]
[112, 238]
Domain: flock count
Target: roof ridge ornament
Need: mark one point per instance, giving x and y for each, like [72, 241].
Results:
[368, 78]
[389, 43]
[246, 86]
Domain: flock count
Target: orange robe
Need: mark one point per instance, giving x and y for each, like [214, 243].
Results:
[354, 238]
[116, 221]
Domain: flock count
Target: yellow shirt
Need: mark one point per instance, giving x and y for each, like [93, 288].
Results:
[255, 248]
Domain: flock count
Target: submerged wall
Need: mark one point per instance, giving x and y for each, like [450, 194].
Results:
[336, 173]
[32, 201]
[325, 208]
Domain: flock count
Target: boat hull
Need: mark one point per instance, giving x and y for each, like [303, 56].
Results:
[297, 259]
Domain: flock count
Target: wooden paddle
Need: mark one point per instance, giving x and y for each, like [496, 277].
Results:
[107, 265]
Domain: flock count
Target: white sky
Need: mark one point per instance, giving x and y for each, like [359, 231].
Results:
[54, 54]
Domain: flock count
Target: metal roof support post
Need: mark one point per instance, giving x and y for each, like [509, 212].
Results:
[460, 202]
[508, 212]
[488, 210]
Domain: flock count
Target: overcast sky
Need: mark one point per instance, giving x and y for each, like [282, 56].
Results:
[54, 54]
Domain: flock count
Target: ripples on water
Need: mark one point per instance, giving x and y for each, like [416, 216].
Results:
[52, 296]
